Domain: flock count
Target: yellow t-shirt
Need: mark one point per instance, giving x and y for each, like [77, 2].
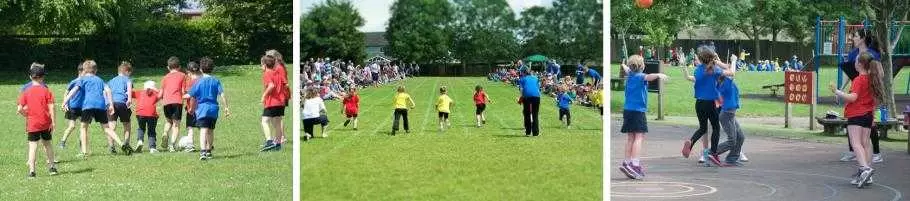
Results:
[401, 100]
[443, 102]
[596, 98]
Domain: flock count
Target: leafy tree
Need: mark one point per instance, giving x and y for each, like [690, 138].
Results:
[883, 13]
[417, 30]
[537, 33]
[330, 30]
[580, 29]
[253, 26]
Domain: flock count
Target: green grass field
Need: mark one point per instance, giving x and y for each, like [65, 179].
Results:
[238, 172]
[755, 101]
[495, 162]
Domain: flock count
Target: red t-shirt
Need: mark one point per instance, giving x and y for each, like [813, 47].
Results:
[35, 99]
[351, 104]
[173, 86]
[190, 105]
[864, 102]
[275, 97]
[480, 98]
[145, 102]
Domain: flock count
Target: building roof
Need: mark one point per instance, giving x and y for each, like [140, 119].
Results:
[375, 39]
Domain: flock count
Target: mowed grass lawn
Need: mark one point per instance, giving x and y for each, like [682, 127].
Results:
[238, 171]
[754, 101]
[495, 162]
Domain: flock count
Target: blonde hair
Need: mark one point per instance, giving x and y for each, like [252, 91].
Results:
[275, 54]
[310, 93]
[125, 67]
[400, 89]
[89, 66]
[636, 63]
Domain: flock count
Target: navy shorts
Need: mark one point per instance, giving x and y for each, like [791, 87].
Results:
[191, 120]
[173, 111]
[40, 135]
[206, 123]
[634, 122]
[480, 108]
[73, 114]
[121, 113]
[99, 115]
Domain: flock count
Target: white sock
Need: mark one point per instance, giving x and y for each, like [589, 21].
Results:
[636, 162]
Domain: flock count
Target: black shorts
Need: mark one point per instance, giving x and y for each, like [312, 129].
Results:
[865, 121]
[276, 111]
[73, 114]
[444, 115]
[122, 113]
[351, 115]
[375, 77]
[40, 135]
[191, 120]
[206, 123]
[173, 111]
[99, 115]
[480, 108]
[634, 122]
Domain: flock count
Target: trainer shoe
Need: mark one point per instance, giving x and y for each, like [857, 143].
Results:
[171, 148]
[62, 144]
[277, 147]
[126, 149]
[687, 148]
[483, 121]
[53, 170]
[638, 170]
[877, 158]
[31, 175]
[268, 146]
[847, 156]
[208, 155]
[138, 147]
[202, 156]
[742, 157]
[189, 149]
[864, 176]
[855, 177]
[627, 170]
[112, 149]
[153, 150]
[702, 159]
[346, 123]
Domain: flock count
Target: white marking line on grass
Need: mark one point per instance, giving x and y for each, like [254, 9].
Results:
[423, 124]
[390, 120]
[363, 111]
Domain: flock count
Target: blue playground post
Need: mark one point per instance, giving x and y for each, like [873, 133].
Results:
[841, 26]
[818, 50]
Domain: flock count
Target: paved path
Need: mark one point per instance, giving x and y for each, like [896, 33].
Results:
[778, 170]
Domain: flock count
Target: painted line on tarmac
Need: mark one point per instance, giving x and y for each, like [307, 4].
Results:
[710, 190]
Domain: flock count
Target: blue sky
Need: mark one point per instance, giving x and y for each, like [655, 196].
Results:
[376, 12]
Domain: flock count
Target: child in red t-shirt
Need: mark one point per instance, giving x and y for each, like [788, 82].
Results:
[36, 104]
[193, 75]
[351, 103]
[865, 92]
[172, 90]
[274, 103]
[480, 101]
[147, 114]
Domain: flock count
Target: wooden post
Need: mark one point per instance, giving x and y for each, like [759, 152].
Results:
[812, 107]
[787, 110]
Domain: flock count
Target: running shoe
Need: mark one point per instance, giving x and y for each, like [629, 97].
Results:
[126, 149]
[53, 170]
[713, 158]
[269, 145]
[112, 149]
[855, 177]
[864, 176]
[153, 150]
[877, 158]
[847, 156]
[138, 147]
[202, 156]
[170, 148]
[639, 170]
[687, 148]
[702, 159]
[62, 144]
[31, 175]
[346, 123]
[742, 157]
[627, 170]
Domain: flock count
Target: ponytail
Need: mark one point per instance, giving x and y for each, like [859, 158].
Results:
[875, 72]
[707, 56]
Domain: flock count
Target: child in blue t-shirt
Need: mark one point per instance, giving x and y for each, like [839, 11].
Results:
[563, 101]
[634, 107]
[74, 110]
[206, 92]
[95, 106]
[729, 94]
[121, 87]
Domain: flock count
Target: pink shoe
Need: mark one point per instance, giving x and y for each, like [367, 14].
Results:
[687, 148]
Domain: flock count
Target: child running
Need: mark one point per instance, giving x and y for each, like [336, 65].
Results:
[121, 87]
[147, 115]
[36, 104]
[193, 75]
[351, 103]
[444, 105]
[94, 106]
[74, 112]
[480, 102]
[563, 101]
[313, 108]
[273, 102]
[634, 122]
[172, 90]
[207, 91]
[865, 93]
[705, 79]
[401, 101]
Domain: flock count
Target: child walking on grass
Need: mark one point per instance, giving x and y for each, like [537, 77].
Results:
[207, 91]
[36, 104]
[74, 112]
[402, 101]
[121, 87]
[563, 101]
[95, 106]
[193, 75]
[444, 105]
[480, 102]
[147, 115]
[351, 103]
[634, 122]
[273, 102]
[173, 87]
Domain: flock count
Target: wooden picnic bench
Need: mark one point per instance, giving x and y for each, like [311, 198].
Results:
[835, 126]
[774, 88]
[617, 84]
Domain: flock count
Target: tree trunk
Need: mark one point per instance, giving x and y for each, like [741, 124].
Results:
[771, 45]
[883, 34]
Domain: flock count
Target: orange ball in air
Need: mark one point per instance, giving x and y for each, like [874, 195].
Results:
[643, 3]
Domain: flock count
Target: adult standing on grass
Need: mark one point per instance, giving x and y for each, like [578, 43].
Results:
[529, 86]
[705, 79]
[865, 92]
[865, 43]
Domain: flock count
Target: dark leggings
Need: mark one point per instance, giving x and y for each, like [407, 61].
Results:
[873, 135]
[530, 111]
[403, 115]
[308, 125]
[706, 111]
[147, 124]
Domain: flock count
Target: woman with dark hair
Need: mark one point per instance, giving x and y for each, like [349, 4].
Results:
[863, 42]
[706, 94]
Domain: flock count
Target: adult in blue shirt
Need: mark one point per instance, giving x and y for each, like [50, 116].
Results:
[553, 68]
[594, 75]
[864, 41]
[529, 86]
[705, 78]
[580, 75]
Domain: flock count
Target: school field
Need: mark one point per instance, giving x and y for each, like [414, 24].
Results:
[238, 172]
[495, 162]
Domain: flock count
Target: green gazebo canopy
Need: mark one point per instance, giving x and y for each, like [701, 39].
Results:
[536, 58]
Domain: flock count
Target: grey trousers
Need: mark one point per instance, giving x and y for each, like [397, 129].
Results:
[735, 136]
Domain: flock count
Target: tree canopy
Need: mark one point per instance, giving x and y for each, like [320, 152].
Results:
[330, 30]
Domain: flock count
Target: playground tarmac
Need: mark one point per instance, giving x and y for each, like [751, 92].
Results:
[779, 169]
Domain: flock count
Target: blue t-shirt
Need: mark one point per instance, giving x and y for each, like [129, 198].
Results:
[75, 101]
[206, 92]
[855, 54]
[594, 74]
[730, 92]
[563, 101]
[706, 83]
[530, 86]
[636, 93]
[118, 86]
[93, 90]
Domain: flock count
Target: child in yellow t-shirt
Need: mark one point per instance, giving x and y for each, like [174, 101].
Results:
[443, 105]
[597, 98]
[401, 101]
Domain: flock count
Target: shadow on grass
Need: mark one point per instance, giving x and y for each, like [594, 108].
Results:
[80, 171]
[509, 135]
[236, 155]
